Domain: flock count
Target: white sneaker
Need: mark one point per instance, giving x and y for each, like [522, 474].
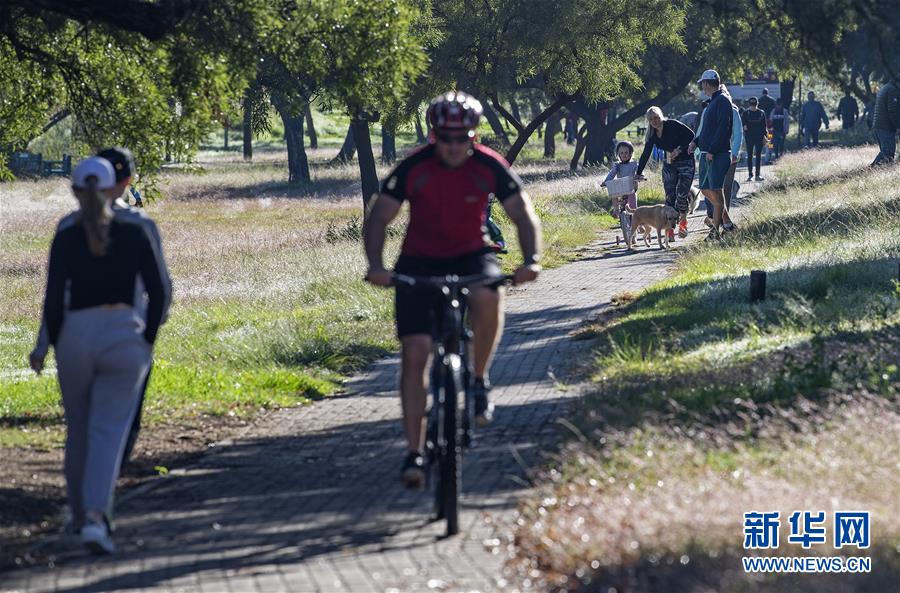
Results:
[96, 538]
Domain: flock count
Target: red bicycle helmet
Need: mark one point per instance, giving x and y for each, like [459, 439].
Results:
[454, 110]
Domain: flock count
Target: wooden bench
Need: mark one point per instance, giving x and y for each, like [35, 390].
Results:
[637, 131]
[26, 164]
[63, 167]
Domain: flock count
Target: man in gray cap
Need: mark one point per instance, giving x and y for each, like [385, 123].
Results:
[714, 143]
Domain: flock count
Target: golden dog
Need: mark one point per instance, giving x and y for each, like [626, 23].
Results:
[646, 218]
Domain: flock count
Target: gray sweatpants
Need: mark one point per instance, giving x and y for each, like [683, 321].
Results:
[101, 358]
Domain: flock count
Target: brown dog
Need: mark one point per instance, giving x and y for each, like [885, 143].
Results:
[646, 218]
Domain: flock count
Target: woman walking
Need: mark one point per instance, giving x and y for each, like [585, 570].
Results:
[673, 137]
[102, 345]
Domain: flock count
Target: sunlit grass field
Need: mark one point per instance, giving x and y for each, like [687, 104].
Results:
[270, 309]
[702, 406]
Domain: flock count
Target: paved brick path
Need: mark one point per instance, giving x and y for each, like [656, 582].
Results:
[309, 499]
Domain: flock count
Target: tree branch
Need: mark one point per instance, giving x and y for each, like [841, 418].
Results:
[154, 20]
[506, 114]
[661, 98]
[57, 117]
[527, 131]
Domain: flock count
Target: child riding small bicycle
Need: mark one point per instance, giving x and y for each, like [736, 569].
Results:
[624, 167]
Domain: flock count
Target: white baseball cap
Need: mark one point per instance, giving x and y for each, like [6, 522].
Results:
[709, 75]
[96, 167]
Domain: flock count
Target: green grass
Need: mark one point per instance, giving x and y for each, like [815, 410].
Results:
[702, 405]
[270, 309]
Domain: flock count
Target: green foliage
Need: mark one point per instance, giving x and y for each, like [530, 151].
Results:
[842, 39]
[28, 93]
[564, 48]
[154, 97]
[354, 55]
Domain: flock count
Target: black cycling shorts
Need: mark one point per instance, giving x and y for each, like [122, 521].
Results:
[417, 307]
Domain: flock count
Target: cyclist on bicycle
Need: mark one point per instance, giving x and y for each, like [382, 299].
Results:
[448, 184]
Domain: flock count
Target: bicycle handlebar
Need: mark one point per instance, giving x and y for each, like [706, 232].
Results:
[453, 280]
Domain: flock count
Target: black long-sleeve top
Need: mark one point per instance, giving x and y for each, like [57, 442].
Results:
[754, 124]
[104, 280]
[674, 135]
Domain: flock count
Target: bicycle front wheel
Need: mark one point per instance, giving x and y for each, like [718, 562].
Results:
[451, 460]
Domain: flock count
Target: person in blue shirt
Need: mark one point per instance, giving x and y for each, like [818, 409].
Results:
[714, 142]
[730, 187]
[812, 116]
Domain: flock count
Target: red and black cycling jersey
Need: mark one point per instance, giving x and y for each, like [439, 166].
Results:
[447, 207]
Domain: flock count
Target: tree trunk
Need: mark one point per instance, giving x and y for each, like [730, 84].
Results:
[526, 133]
[388, 146]
[420, 135]
[629, 115]
[226, 136]
[368, 175]
[599, 136]
[579, 147]
[298, 165]
[348, 148]
[311, 128]
[248, 129]
[553, 127]
[536, 109]
[787, 92]
[514, 107]
[496, 126]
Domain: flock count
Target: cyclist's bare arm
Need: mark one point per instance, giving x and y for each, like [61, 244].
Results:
[382, 212]
[521, 211]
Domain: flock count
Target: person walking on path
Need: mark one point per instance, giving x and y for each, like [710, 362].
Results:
[730, 187]
[714, 142]
[754, 123]
[766, 103]
[447, 184]
[848, 113]
[678, 169]
[102, 344]
[886, 122]
[123, 164]
[780, 122]
[812, 116]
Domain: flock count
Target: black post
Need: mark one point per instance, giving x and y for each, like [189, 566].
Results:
[757, 285]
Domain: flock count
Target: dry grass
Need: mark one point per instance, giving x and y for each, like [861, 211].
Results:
[662, 494]
[703, 406]
[269, 299]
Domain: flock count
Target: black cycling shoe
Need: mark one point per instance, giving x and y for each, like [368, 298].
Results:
[484, 407]
[413, 472]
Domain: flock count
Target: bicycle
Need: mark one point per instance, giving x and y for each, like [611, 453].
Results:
[451, 418]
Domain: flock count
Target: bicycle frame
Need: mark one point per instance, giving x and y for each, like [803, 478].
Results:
[451, 418]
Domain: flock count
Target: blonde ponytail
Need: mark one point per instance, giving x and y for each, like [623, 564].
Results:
[95, 216]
